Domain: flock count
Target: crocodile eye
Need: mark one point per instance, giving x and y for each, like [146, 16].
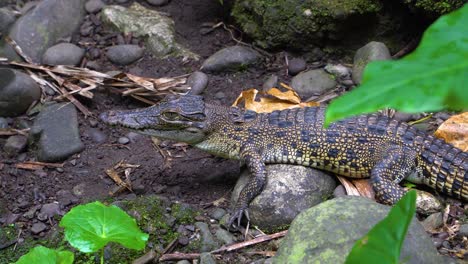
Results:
[171, 115]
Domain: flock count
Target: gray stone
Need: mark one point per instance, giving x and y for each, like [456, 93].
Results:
[271, 82]
[15, 145]
[206, 258]
[37, 228]
[123, 140]
[153, 26]
[65, 198]
[313, 82]
[223, 235]
[327, 232]
[50, 210]
[7, 18]
[207, 240]
[233, 58]
[198, 81]
[63, 54]
[4, 122]
[433, 221]
[157, 2]
[43, 26]
[290, 189]
[17, 92]
[372, 51]
[339, 191]
[94, 6]
[338, 70]
[97, 135]
[55, 133]
[296, 65]
[463, 231]
[124, 54]
[183, 262]
[134, 137]
[217, 213]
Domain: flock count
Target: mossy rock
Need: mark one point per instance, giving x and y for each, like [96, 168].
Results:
[434, 8]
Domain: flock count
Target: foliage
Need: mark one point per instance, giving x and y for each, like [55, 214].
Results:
[432, 78]
[43, 255]
[90, 227]
[383, 242]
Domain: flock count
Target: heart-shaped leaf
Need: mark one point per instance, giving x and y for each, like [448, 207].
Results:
[43, 255]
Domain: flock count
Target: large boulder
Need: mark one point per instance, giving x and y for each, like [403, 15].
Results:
[43, 26]
[290, 189]
[334, 26]
[153, 26]
[326, 233]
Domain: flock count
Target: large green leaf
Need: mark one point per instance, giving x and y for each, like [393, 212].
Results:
[383, 242]
[91, 226]
[432, 78]
[43, 255]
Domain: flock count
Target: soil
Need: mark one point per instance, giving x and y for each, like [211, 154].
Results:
[190, 176]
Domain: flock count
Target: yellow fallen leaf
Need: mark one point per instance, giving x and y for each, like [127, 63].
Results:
[278, 101]
[455, 131]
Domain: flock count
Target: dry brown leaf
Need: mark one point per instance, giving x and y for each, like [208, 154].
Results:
[455, 131]
[364, 188]
[278, 101]
[349, 187]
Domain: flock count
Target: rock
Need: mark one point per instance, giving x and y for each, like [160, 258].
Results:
[157, 2]
[433, 8]
[50, 210]
[37, 228]
[463, 231]
[93, 65]
[207, 240]
[373, 51]
[4, 122]
[94, 6]
[183, 262]
[206, 258]
[223, 235]
[233, 58]
[66, 198]
[289, 190]
[338, 70]
[432, 222]
[327, 232]
[15, 144]
[153, 26]
[63, 54]
[124, 54]
[7, 18]
[55, 133]
[43, 26]
[198, 81]
[271, 82]
[97, 136]
[123, 140]
[404, 117]
[313, 82]
[217, 213]
[17, 92]
[296, 65]
[134, 137]
[339, 191]
[427, 203]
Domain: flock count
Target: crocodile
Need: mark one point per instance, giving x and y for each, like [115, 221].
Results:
[369, 145]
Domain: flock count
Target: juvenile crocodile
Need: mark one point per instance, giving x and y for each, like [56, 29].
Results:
[372, 145]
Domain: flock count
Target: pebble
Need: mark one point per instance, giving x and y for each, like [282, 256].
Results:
[296, 65]
[3, 122]
[183, 241]
[17, 92]
[198, 81]
[93, 65]
[207, 240]
[66, 198]
[220, 95]
[79, 189]
[269, 83]
[313, 82]
[63, 54]
[133, 136]
[339, 191]
[124, 54]
[123, 140]
[15, 144]
[233, 58]
[338, 70]
[183, 262]
[372, 51]
[86, 28]
[157, 2]
[347, 82]
[50, 210]
[217, 213]
[31, 212]
[223, 235]
[94, 6]
[37, 228]
[463, 230]
[433, 221]
[93, 122]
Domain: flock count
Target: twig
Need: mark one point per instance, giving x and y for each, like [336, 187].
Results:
[146, 258]
[407, 49]
[179, 256]
[254, 241]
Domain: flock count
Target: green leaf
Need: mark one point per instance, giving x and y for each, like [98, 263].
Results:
[43, 255]
[91, 226]
[432, 78]
[383, 242]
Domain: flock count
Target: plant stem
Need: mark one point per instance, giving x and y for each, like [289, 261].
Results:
[102, 256]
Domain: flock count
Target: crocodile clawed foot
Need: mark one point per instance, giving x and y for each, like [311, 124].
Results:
[236, 216]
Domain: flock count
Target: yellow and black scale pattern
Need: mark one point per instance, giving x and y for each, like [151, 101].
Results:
[365, 146]
[373, 145]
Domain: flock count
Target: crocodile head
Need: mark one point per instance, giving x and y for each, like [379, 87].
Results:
[179, 118]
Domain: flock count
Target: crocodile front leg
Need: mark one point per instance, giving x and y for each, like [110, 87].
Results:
[397, 163]
[254, 187]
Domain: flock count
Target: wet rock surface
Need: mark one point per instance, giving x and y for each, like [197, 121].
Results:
[17, 92]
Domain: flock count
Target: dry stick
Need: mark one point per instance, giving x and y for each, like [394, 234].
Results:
[254, 241]
[179, 256]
